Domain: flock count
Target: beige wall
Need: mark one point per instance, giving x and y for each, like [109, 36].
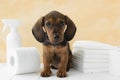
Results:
[95, 19]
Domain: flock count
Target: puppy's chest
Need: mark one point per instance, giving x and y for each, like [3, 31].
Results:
[56, 49]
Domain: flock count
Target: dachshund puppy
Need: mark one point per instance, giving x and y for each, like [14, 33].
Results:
[55, 30]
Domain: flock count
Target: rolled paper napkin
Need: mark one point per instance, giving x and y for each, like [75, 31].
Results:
[24, 60]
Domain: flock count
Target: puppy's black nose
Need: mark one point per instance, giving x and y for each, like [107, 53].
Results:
[56, 36]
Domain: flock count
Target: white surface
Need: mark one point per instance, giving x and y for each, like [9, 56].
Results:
[72, 75]
[24, 60]
[115, 62]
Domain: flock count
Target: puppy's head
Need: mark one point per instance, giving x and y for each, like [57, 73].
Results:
[57, 26]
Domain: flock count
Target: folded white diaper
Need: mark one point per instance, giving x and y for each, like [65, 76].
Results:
[91, 56]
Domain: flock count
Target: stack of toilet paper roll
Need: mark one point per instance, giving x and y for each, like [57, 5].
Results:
[24, 60]
[91, 56]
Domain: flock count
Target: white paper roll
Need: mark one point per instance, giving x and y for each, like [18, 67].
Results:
[115, 62]
[24, 60]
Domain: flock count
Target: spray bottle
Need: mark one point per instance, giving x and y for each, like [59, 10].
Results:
[13, 39]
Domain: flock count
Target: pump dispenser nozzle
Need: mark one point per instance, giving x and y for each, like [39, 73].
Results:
[12, 23]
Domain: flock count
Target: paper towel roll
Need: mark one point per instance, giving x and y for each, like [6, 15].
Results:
[24, 60]
[115, 62]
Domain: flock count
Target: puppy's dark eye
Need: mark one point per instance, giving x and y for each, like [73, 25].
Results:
[62, 23]
[48, 24]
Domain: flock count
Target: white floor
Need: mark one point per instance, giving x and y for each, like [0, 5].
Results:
[72, 75]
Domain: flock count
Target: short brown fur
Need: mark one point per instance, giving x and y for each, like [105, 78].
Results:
[54, 30]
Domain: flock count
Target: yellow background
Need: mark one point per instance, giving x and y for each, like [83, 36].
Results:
[97, 20]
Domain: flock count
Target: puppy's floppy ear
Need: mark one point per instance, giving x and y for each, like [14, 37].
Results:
[71, 29]
[37, 30]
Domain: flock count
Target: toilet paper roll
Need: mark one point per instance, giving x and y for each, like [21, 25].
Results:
[24, 60]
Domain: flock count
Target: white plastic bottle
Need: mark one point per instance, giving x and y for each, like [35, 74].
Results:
[13, 39]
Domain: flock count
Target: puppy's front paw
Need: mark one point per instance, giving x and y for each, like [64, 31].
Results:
[61, 74]
[46, 73]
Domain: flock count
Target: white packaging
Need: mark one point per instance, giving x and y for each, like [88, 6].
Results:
[91, 56]
[115, 62]
[24, 60]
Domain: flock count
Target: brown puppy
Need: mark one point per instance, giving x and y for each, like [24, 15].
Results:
[54, 30]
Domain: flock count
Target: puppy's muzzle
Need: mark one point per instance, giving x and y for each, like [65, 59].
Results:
[56, 37]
